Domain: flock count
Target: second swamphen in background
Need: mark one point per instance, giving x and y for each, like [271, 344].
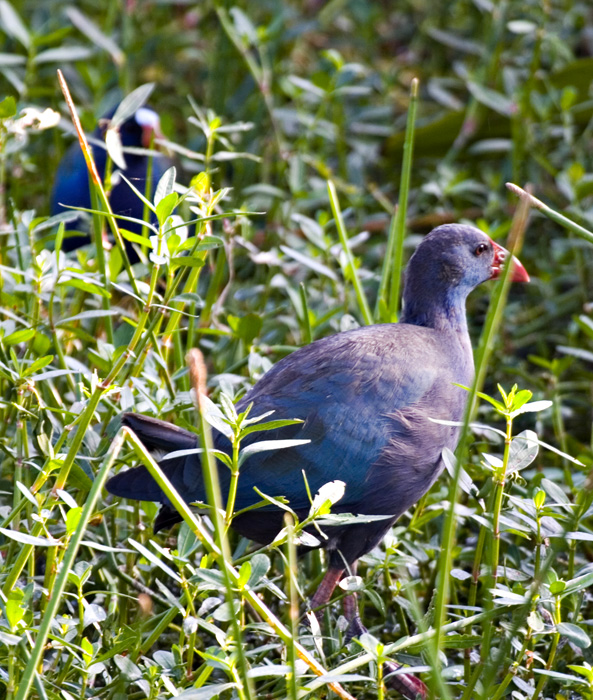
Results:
[71, 185]
[367, 398]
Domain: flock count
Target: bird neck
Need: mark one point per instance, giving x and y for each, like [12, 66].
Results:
[442, 309]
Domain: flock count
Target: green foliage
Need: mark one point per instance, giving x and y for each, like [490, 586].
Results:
[264, 106]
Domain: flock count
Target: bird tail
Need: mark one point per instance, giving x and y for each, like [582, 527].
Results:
[137, 483]
[158, 434]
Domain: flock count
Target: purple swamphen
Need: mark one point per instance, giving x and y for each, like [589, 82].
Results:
[367, 398]
[71, 185]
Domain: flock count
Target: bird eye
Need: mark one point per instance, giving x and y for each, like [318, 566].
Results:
[482, 248]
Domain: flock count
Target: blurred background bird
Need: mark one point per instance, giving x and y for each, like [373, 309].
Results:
[72, 188]
[372, 402]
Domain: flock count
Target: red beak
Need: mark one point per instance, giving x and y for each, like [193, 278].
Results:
[518, 272]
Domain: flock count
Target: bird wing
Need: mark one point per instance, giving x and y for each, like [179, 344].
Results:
[365, 398]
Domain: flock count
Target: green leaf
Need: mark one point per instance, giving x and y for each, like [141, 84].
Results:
[72, 519]
[15, 611]
[7, 107]
[524, 449]
[155, 560]
[92, 32]
[165, 186]
[247, 327]
[88, 650]
[128, 668]
[13, 25]
[187, 541]
[38, 364]
[461, 641]
[521, 398]
[21, 336]
[244, 574]
[23, 538]
[578, 584]
[10, 639]
[27, 493]
[271, 425]
[535, 622]
[166, 207]
[465, 481]
[135, 238]
[575, 634]
[209, 243]
[228, 407]
[84, 315]
[497, 405]
[139, 194]
[311, 263]
[533, 407]
[281, 503]
[539, 498]
[131, 104]
[555, 492]
[86, 286]
[186, 261]
[115, 147]
[80, 573]
[64, 54]
[260, 565]
[494, 100]
[267, 445]
[93, 614]
[210, 576]
[207, 693]
[586, 671]
[200, 182]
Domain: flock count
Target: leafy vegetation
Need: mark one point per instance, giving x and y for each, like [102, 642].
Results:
[287, 123]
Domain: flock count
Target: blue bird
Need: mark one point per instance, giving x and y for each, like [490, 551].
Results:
[71, 185]
[366, 398]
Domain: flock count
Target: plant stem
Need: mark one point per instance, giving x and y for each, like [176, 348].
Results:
[550, 213]
[399, 231]
[363, 304]
[499, 482]
[293, 611]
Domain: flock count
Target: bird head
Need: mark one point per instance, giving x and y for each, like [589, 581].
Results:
[449, 262]
[462, 256]
[150, 125]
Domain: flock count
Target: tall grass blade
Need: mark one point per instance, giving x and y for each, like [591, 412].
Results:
[363, 305]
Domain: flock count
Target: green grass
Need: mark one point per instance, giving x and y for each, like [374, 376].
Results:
[299, 128]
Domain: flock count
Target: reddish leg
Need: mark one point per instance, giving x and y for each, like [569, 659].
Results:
[406, 684]
[325, 590]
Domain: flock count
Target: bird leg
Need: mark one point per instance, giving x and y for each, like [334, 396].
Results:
[350, 607]
[325, 590]
[406, 684]
[351, 613]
